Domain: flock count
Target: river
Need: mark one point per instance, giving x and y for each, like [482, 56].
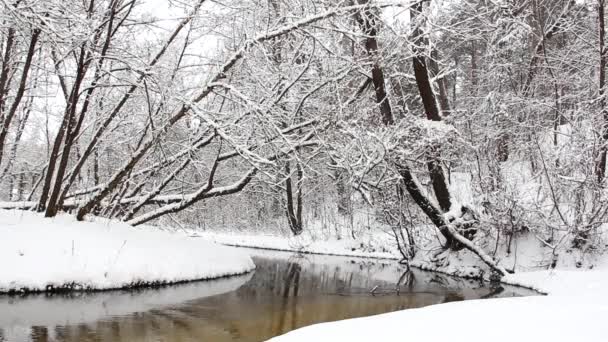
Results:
[287, 291]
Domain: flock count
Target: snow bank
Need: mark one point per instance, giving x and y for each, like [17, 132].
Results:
[39, 254]
[306, 244]
[562, 282]
[574, 310]
[504, 319]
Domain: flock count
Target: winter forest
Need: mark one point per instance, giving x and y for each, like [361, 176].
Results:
[464, 137]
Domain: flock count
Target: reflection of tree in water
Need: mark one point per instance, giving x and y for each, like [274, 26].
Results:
[495, 291]
[39, 334]
[406, 281]
[282, 295]
[271, 277]
[442, 280]
[452, 297]
[455, 283]
[292, 281]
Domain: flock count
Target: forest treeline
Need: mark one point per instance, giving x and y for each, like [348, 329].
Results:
[484, 119]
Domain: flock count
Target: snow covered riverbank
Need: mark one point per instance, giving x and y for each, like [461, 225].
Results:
[377, 247]
[571, 312]
[87, 307]
[38, 254]
[574, 310]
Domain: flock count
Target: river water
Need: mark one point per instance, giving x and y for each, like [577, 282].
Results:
[286, 291]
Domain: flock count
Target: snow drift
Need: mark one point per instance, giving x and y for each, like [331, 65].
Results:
[46, 254]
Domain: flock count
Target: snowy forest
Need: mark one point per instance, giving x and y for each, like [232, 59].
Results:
[461, 136]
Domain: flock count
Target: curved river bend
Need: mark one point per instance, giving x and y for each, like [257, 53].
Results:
[286, 292]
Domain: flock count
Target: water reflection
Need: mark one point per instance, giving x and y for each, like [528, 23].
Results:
[286, 292]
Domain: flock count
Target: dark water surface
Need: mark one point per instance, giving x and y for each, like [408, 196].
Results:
[284, 293]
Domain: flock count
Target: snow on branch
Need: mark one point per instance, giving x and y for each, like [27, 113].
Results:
[185, 108]
[176, 203]
[187, 200]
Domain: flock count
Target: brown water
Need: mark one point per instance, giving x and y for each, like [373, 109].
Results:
[284, 293]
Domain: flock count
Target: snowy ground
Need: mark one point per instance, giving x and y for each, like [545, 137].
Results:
[574, 310]
[40, 254]
[367, 248]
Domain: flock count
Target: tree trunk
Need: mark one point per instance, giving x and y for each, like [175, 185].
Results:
[20, 90]
[294, 210]
[368, 25]
[58, 195]
[67, 130]
[421, 72]
[600, 168]
[4, 73]
[436, 172]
